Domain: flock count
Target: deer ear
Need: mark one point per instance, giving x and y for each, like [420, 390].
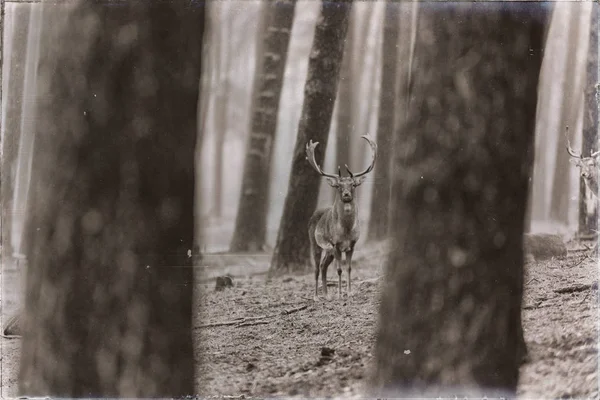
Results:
[359, 180]
[575, 161]
[332, 182]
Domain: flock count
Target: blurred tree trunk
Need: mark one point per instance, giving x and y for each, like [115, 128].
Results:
[108, 306]
[588, 216]
[380, 201]
[292, 248]
[571, 102]
[345, 97]
[222, 103]
[251, 221]
[12, 128]
[450, 316]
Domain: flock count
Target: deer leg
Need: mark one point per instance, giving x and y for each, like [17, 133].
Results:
[324, 265]
[338, 260]
[349, 262]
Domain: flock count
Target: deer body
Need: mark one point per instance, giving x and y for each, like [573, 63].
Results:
[334, 231]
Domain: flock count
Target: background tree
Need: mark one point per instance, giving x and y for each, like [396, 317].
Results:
[450, 315]
[12, 126]
[570, 107]
[251, 220]
[222, 103]
[380, 201]
[588, 216]
[292, 248]
[112, 202]
[345, 97]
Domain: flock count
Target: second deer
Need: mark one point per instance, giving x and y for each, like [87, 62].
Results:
[588, 170]
[334, 231]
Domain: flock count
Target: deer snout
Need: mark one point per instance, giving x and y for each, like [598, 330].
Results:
[346, 195]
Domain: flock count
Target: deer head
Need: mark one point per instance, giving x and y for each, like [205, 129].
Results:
[588, 166]
[344, 185]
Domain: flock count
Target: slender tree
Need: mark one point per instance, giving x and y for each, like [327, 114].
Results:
[12, 121]
[588, 218]
[380, 202]
[345, 97]
[108, 306]
[572, 98]
[222, 100]
[292, 248]
[450, 314]
[251, 221]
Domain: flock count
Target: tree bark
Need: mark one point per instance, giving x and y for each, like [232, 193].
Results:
[251, 221]
[345, 98]
[109, 283]
[450, 314]
[380, 201]
[588, 216]
[12, 123]
[292, 248]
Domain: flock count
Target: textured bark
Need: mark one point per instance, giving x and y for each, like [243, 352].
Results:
[108, 304]
[380, 202]
[251, 221]
[12, 128]
[588, 218]
[450, 315]
[345, 98]
[292, 248]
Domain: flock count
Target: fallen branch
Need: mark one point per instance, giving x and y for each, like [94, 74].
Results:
[577, 288]
[248, 321]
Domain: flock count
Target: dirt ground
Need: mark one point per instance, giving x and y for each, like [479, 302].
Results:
[269, 338]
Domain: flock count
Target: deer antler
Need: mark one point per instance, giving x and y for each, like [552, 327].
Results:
[310, 156]
[374, 157]
[569, 149]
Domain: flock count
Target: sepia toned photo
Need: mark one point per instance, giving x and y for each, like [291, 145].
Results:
[252, 199]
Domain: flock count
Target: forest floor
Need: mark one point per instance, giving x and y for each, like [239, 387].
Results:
[266, 338]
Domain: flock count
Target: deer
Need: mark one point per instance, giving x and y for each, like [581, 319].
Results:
[588, 167]
[334, 231]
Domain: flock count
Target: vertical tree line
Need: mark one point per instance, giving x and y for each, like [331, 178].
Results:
[251, 221]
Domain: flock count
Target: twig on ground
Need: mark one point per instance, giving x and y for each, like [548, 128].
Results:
[577, 288]
[11, 336]
[531, 280]
[253, 323]
[248, 321]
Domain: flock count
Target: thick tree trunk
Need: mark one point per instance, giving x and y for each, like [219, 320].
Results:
[588, 216]
[345, 98]
[251, 222]
[108, 304]
[292, 249]
[12, 124]
[380, 201]
[450, 316]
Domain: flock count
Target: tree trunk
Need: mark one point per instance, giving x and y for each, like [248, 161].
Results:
[251, 222]
[450, 315]
[345, 98]
[108, 304]
[588, 216]
[292, 248]
[12, 122]
[380, 201]
[571, 102]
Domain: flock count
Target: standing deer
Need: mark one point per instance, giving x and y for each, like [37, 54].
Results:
[335, 230]
[588, 167]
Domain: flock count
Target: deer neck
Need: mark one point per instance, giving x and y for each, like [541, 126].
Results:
[592, 183]
[345, 214]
